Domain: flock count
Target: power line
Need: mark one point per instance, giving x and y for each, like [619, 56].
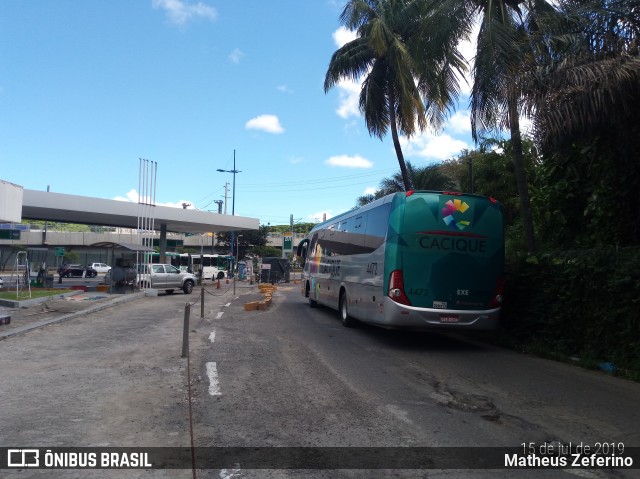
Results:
[325, 180]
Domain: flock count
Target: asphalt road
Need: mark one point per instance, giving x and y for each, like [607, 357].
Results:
[291, 380]
[293, 376]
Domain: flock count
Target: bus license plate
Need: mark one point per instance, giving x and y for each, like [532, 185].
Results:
[449, 318]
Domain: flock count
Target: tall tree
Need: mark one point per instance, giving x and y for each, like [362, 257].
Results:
[408, 81]
[583, 91]
[503, 47]
[430, 177]
[588, 79]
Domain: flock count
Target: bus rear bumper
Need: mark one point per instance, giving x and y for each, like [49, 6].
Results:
[410, 317]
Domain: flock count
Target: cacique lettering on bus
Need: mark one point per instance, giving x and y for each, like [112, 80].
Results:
[463, 245]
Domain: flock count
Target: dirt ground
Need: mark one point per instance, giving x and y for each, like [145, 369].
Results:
[96, 371]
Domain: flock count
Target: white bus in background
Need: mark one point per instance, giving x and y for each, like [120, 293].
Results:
[210, 264]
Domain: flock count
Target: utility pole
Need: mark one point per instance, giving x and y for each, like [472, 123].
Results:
[226, 196]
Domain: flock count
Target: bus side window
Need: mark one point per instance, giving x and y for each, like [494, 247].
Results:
[377, 224]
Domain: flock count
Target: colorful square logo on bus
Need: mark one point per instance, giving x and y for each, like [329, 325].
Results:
[456, 214]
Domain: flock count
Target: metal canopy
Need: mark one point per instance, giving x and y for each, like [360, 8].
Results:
[48, 206]
[127, 246]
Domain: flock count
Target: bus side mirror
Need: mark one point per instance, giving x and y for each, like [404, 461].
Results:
[302, 252]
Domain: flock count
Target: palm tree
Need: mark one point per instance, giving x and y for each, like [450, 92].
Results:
[503, 47]
[408, 81]
[589, 80]
[584, 94]
[430, 177]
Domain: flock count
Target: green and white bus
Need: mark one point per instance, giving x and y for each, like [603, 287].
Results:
[416, 260]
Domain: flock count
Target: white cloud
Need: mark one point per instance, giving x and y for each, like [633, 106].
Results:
[430, 146]
[296, 160]
[468, 49]
[236, 55]
[268, 123]
[460, 122]
[370, 190]
[180, 12]
[284, 89]
[132, 196]
[320, 216]
[348, 90]
[349, 98]
[345, 161]
[343, 36]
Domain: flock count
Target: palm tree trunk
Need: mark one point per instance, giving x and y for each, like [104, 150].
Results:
[396, 142]
[521, 175]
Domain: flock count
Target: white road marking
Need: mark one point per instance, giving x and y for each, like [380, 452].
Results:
[227, 305]
[582, 473]
[212, 336]
[230, 473]
[214, 385]
[219, 315]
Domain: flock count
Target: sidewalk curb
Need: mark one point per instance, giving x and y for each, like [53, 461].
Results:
[10, 303]
[98, 307]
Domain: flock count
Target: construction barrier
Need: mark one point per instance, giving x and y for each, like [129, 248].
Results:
[267, 290]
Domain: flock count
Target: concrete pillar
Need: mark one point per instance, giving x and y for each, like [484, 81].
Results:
[163, 243]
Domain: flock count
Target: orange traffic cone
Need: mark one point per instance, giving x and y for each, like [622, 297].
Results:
[218, 285]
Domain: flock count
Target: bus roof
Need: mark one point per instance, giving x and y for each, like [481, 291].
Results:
[388, 198]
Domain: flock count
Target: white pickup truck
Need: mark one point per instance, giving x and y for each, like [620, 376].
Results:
[167, 277]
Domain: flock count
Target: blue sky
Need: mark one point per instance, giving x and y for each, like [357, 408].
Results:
[88, 87]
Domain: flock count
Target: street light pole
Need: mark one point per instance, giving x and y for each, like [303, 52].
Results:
[233, 200]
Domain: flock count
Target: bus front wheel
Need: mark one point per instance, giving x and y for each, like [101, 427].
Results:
[347, 321]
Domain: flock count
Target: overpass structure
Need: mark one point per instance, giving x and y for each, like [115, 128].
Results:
[66, 208]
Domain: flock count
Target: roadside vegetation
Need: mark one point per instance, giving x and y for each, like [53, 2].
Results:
[570, 187]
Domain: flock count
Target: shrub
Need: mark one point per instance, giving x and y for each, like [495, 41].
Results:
[583, 304]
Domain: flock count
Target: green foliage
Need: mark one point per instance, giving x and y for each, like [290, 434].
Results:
[587, 195]
[265, 251]
[76, 228]
[431, 177]
[581, 304]
[297, 228]
[71, 257]
[245, 238]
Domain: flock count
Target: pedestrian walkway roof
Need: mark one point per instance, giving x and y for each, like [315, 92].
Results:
[48, 206]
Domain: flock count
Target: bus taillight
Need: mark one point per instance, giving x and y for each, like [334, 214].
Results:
[498, 295]
[396, 288]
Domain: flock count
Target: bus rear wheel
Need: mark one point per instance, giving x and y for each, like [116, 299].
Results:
[307, 293]
[347, 321]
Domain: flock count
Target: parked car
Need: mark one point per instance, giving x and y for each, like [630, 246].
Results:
[68, 270]
[167, 277]
[100, 267]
